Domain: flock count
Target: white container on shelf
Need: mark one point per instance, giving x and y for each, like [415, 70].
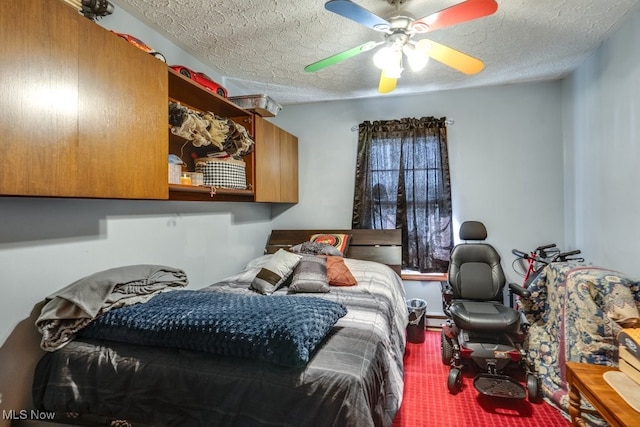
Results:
[259, 104]
[175, 172]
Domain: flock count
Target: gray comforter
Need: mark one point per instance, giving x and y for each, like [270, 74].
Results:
[355, 378]
[73, 307]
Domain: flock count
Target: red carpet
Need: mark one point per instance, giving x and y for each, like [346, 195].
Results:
[427, 401]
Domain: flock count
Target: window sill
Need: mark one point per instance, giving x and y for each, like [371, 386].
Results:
[426, 277]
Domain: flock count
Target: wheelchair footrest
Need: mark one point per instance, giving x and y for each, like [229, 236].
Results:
[499, 386]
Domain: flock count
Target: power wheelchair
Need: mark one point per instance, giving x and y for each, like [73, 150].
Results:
[480, 330]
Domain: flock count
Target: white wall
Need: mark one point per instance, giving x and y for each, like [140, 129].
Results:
[505, 152]
[602, 138]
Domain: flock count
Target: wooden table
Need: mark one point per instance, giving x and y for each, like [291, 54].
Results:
[586, 380]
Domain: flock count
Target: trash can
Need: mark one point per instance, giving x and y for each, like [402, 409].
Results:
[417, 313]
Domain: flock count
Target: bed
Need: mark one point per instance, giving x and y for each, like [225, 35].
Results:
[354, 377]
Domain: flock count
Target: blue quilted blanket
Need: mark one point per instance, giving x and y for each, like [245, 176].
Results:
[280, 329]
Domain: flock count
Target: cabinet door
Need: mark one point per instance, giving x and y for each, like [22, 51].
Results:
[122, 120]
[276, 163]
[288, 167]
[267, 161]
[82, 112]
[38, 97]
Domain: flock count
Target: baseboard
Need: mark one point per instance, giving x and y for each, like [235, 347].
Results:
[435, 321]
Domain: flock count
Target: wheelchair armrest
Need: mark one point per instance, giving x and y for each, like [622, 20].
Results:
[447, 292]
[519, 290]
[447, 296]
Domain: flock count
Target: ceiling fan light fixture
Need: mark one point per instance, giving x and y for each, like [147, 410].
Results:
[417, 54]
[389, 60]
[383, 56]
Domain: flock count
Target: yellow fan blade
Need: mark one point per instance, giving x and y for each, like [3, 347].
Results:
[387, 84]
[454, 58]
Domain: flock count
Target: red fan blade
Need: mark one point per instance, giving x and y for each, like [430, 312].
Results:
[456, 14]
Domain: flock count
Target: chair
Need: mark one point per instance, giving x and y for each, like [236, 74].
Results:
[480, 330]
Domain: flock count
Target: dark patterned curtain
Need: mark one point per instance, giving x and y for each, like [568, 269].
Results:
[402, 181]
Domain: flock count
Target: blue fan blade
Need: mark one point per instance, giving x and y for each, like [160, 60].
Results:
[350, 10]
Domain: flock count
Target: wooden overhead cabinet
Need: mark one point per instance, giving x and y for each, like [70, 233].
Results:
[82, 112]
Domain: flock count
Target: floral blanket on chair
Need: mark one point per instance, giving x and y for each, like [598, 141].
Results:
[575, 313]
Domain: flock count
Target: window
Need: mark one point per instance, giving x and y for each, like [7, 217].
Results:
[402, 181]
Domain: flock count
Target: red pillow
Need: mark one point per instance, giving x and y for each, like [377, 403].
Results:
[338, 273]
[339, 241]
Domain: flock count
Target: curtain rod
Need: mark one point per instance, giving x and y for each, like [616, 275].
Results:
[448, 122]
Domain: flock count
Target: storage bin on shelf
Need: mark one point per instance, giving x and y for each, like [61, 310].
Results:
[262, 105]
[223, 173]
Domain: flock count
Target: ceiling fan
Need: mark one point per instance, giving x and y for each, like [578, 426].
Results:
[398, 33]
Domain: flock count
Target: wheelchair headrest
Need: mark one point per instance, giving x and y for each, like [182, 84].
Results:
[472, 230]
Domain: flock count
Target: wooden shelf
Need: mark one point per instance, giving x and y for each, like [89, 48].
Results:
[204, 193]
[425, 277]
[196, 96]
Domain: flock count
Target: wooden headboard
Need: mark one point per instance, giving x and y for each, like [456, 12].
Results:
[383, 246]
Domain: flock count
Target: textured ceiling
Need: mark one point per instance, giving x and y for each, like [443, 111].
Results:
[264, 45]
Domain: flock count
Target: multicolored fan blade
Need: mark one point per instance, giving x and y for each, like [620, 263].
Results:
[350, 10]
[387, 84]
[458, 13]
[453, 58]
[338, 57]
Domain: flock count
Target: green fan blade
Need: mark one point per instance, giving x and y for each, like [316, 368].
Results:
[338, 57]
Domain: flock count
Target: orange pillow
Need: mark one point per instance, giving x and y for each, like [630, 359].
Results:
[338, 273]
[339, 241]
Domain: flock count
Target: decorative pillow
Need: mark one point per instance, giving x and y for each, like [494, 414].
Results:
[338, 274]
[310, 275]
[315, 248]
[339, 241]
[275, 271]
[282, 329]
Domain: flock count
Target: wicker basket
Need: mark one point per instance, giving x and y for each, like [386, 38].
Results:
[227, 173]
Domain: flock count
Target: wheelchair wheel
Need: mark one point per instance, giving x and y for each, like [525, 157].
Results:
[533, 388]
[446, 348]
[454, 382]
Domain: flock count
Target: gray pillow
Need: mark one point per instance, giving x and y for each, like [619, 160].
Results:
[310, 275]
[314, 248]
[275, 271]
